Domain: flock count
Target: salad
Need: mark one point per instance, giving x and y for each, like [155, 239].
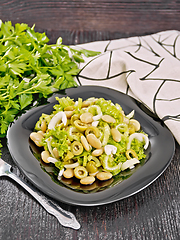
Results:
[89, 139]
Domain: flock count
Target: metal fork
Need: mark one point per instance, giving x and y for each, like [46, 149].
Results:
[65, 218]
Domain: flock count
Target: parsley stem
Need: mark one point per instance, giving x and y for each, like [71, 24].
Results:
[6, 39]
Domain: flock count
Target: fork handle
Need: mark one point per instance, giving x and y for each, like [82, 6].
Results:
[67, 219]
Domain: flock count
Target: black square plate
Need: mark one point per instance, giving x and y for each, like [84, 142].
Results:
[159, 155]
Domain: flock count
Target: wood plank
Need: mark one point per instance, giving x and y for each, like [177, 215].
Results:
[126, 17]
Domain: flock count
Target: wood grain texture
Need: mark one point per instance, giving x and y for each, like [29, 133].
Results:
[125, 17]
[150, 214]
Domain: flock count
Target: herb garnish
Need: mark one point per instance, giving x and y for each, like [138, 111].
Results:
[30, 69]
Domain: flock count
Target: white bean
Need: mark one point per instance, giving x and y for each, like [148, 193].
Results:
[108, 119]
[85, 143]
[102, 176]
[68, 173]
[93, 141]
[86, 117]
[36, 138]
[116, 134]
[87, 180]
[44, 156]
[97, 152]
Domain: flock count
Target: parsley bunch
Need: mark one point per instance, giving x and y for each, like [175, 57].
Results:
[30, 69]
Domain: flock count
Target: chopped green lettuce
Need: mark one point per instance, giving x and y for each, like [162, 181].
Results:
[63, 103]
[109, 164]
[59, 165]
[107, 107]
[58, 140]
[121, 146]
[138, 147]
[45, 117]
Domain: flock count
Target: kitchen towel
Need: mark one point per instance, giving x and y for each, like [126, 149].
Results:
[144, 67]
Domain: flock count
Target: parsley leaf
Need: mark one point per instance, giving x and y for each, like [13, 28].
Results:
[30, 69]
[25, 100]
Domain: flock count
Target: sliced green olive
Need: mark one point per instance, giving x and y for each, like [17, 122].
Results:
[74, 118]
[131, 153]
[91, 167]
[95, 160]
[131, 128]
[80, 125]
[78, 135]
[69, 161]
[76, 148]
[93, 130]
[68, 156]
[122, 127]
[80, 172]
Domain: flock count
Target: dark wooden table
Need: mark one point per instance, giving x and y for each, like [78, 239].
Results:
[153, 213]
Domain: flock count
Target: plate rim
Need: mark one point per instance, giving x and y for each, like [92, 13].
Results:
[97, 202]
